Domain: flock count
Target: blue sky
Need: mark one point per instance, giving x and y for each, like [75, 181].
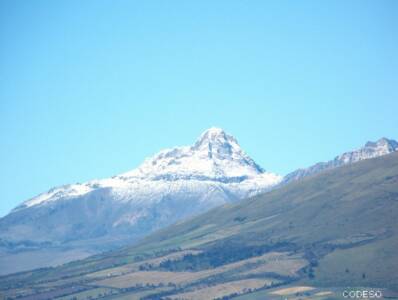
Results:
[88, 89]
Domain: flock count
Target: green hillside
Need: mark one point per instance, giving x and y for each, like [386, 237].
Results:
[318, 236]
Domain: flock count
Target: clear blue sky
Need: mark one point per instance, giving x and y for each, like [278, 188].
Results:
[88, 89]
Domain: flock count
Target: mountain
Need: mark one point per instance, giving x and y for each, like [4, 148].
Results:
[371, 150]
[76, 220]
[309, 239]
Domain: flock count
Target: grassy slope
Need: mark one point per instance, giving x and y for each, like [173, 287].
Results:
[341, 219]
[345, 202]
[353, 207]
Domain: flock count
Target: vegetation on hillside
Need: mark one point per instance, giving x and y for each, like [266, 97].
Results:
[330, 231]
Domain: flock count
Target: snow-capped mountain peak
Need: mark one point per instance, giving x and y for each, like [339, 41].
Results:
[216, 141]
[215, 158]
[215, 155]
[172, 185]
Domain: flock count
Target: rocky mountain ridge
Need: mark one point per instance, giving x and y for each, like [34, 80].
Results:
[370, 150]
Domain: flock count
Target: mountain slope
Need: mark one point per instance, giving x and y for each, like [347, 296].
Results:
[102, 214]
[336, 229]
[371, 150]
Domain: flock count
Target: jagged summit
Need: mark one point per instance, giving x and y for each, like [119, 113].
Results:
[381, 147]
[214, 155]
[214, 138]
[384, 142]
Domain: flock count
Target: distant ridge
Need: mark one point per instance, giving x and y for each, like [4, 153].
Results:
[370, 150]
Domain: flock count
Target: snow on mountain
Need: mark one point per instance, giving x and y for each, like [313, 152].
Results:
[371, 150]
[174, 184]
[216, 157]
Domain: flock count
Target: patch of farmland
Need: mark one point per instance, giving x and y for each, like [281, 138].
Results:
[133, 267]
[224, 289]
[142, 278]
[292, 290]
[90, 294]
[282, 265]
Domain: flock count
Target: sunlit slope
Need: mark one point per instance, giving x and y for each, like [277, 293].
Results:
[349, 204]
[345, 220]
[336, 229]
[351, 211]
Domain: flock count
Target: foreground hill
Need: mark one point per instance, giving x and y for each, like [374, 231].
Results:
[314, 237]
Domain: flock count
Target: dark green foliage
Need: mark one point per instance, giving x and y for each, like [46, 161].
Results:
[221, 255]
[311, 274]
